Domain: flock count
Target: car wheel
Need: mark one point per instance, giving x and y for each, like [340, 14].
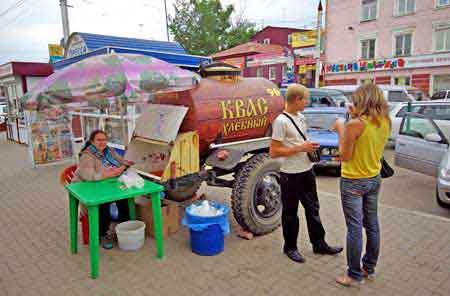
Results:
[440, 202]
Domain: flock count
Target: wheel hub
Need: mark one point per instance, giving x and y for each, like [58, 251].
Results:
[267, 194]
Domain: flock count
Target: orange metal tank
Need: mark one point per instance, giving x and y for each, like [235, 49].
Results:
[223, 111]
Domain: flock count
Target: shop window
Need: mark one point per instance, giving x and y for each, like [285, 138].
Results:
[403, 44]
[368, 10]
[290, 39]
[272, 73]
[405, 7]
[368, 49]
[402, 81]
[266, 41]
[443, 3]
[441, 37]
[259, 72]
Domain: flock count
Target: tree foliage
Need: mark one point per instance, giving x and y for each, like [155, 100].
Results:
[204, 27]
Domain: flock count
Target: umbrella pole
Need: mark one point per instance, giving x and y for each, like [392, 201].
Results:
[122, 121]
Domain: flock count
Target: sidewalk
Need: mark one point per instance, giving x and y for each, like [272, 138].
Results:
[36, 260]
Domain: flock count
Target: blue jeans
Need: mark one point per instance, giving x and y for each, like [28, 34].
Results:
[360, 206]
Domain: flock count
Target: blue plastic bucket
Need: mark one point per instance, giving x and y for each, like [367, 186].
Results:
[207, 242]
[207, 233]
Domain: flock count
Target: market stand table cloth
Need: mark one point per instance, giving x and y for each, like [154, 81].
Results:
[93, 194]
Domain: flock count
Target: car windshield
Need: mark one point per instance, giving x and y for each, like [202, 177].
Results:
[327, 100]
[322, 121]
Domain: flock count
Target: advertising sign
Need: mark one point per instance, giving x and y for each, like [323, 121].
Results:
[305, 52]
[76, 47]
[423, 61]
[304, 39]
[51, 137]
[55, 52]
[264, 60]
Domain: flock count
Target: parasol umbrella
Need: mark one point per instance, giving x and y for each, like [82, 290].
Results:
[127, 77]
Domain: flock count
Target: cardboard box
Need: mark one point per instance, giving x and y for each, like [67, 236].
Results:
[170, 216]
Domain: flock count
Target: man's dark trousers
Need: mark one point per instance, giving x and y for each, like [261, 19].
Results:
[294, 188]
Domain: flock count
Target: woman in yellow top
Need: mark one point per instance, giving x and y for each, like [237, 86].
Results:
[361, 147]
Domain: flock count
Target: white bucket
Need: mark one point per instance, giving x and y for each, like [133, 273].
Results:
[131, 235]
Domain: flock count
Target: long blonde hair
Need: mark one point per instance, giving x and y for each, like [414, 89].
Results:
[368, 100]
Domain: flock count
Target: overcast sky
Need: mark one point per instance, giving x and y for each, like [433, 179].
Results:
[28, 26]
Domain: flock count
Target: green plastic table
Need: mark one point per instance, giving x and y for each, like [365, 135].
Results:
[93, 194]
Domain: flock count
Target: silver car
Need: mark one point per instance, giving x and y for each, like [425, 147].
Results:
[439, 111]
[421, 146]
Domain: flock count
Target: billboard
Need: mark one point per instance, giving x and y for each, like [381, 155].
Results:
[55, 52]
[304, 39]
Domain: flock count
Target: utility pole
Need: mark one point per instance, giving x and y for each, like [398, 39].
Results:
[65, 20]
[167, 20]
[317, 55]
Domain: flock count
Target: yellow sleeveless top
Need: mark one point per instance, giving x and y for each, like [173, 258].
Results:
[367, 152]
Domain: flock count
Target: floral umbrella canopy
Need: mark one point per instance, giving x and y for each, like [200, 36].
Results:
[126, 77]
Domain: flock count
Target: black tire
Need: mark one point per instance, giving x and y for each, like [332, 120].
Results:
[256, 196]
[440, 202]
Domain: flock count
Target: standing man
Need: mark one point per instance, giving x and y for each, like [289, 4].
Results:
[298, 182]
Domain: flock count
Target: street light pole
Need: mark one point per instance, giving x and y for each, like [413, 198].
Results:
[318, 42]
[167, 21]
[65, 20]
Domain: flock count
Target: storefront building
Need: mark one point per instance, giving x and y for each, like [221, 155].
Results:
[401, 42]
[299, 47]
[282, 55]
[16, 78]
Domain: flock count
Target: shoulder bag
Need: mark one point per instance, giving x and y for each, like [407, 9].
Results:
[386, 170]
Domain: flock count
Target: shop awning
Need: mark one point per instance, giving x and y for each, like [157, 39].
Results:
[82, 45]
[182, 60]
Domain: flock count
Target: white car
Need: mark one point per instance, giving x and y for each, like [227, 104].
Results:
[393, 94]
[421, 146]
[439, 111]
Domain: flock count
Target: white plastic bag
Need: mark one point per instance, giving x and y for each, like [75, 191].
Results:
[131, 179]
[205, 210]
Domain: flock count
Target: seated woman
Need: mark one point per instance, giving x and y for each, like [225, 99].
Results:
[98, 162]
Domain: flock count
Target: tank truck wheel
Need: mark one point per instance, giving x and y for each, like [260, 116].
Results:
[256, 196]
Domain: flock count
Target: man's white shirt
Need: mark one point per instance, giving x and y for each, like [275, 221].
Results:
[285, 132]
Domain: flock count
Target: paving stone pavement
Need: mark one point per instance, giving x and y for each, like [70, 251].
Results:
[35, 258]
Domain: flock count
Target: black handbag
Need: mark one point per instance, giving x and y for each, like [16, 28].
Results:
[386, 170]
[313, 156]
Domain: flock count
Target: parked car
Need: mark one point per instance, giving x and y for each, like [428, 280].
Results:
[323, 97]
[319, 122]
[327, 98]
[422, 147]
[441, 95]
[393, 94]
[439, 111]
